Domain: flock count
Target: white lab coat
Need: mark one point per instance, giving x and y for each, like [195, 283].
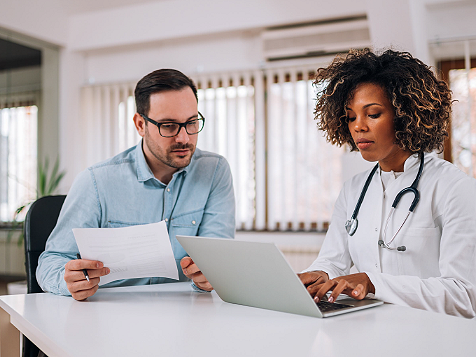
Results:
[437, 272]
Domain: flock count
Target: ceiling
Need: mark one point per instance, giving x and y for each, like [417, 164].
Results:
[72, 7]
[13, 55]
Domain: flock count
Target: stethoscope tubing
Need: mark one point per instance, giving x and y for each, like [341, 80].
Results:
[351, 225]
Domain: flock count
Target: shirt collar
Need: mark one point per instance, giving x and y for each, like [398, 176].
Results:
[144, 172]
[411, 161]
[414, 160]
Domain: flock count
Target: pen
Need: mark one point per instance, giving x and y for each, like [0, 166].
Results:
[85, 272]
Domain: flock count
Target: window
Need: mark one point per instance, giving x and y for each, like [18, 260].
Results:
[108, 128]
[463, 126]
[286, 176]
[18, 158]
[461, 148]
[230, 131]
[304, 170]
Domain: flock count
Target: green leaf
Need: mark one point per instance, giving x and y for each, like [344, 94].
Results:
[15, 225]
[19, 209]
[47, 184]
[56, 182]
[42, 178]
[53, 179]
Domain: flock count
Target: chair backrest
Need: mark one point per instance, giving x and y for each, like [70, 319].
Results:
[39, 222]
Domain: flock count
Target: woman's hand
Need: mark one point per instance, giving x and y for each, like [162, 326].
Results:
[313, 280]
[356, 286]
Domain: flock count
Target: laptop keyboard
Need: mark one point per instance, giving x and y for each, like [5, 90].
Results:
[325, 306]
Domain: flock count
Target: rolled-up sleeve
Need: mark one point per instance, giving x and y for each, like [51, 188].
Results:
[81, 209]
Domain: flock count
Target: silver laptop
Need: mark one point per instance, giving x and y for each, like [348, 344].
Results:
[257, 274]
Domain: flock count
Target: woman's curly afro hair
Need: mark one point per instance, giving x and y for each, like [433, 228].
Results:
[422, 103]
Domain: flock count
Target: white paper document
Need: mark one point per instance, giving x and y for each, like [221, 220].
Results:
[130, 252]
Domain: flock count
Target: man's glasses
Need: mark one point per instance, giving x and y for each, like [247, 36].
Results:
[171, 129]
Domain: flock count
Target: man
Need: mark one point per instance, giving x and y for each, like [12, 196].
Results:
[164, 177]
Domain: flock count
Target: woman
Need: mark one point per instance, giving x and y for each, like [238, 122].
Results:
[393, 110]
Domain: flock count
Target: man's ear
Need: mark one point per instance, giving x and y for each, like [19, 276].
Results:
[140, 124]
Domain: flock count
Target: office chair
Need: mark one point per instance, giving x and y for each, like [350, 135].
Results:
[39, 222]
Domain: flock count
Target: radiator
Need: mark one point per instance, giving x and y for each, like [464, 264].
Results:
[12, 256]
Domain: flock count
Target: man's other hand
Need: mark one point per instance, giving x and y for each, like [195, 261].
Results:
[191, 271]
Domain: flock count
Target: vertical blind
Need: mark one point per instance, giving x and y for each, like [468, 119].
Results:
[303, 170]
[286, 176]
[107, 115]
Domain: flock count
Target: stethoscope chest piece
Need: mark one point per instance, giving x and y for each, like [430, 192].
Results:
[351, 226]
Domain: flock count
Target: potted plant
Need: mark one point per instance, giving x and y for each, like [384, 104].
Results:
[48, 182]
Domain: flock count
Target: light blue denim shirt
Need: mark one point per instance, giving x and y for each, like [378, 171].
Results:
[122, 191]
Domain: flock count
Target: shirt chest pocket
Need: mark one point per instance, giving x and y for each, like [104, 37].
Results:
[122, 224]
[189, 220]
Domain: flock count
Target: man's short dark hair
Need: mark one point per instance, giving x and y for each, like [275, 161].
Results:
[161, 80]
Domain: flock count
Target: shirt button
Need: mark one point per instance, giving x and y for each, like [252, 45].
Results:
[168, 189]
[376, 265]
[375, 229]
[166, 220]
[193, 222]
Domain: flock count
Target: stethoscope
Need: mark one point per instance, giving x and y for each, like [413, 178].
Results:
[352, 224]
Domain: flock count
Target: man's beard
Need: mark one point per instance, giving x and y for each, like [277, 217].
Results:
[166, 157]
[168, 160]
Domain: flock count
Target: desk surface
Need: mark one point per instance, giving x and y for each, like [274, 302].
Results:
[172, 320]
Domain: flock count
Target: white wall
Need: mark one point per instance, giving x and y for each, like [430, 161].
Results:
[448, 25]
[171, 19]
[450, 20]
[44, 20]
[385, 31]
[210, 53]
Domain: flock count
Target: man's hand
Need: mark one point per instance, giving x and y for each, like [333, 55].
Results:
[76, 282]
[355, 285]
[191, 271]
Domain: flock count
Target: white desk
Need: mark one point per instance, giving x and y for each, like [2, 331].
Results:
[172, 320]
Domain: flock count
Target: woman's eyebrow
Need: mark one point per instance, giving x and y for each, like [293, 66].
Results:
[366, 106]
[370, 104]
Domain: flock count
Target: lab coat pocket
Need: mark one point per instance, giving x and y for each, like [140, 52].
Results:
[422, 247]
[420, 238]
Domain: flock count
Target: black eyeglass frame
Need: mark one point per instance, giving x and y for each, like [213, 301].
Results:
[181, 125]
